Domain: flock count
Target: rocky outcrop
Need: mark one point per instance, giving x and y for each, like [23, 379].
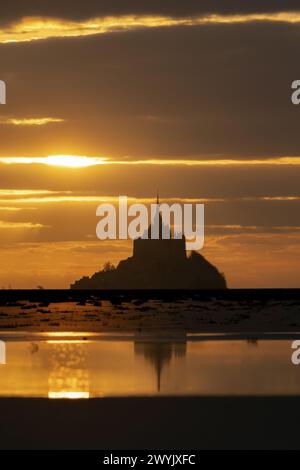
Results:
[157, 264]
[193, 272]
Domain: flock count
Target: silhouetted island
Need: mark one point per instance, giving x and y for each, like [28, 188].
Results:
[157, 264]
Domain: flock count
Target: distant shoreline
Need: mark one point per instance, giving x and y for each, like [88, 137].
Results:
[204, 294]
[157, 337]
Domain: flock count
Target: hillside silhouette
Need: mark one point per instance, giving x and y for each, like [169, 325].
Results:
[157, 264]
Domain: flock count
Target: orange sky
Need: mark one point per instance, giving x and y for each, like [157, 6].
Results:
[125, 101]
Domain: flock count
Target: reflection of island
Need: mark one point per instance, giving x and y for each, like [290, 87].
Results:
[157, 264]
[159, 354]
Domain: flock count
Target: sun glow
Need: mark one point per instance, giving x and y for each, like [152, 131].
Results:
[70, 161]
[39, 28]
[73, 161]
[79, 161]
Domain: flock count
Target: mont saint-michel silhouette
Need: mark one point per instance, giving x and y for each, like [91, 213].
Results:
[157, 264]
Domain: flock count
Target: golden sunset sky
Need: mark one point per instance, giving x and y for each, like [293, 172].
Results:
[123, 97]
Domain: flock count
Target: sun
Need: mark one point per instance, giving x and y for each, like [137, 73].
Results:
[73, 161]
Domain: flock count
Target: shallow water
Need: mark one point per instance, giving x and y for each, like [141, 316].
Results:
[83, 366]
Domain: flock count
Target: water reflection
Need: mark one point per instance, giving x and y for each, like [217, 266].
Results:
[252, 341]
[159, 354]
[68, 371]
[83, 368]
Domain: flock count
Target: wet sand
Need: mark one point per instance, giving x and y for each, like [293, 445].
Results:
[152, 315]
[151, 423]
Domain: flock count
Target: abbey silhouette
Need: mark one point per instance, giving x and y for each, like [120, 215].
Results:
[157, 264]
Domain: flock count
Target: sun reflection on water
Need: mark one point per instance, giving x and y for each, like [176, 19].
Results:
[68, 375]
[67, 394]
[77, 366]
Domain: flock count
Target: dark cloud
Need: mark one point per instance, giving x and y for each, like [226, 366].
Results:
[143, 181]
[63, 221]
[181, 92]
